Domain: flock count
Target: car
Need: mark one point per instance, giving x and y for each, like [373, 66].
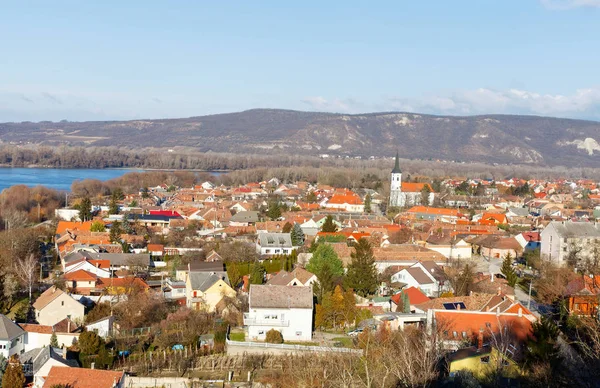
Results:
[177, 347]
[355, 332]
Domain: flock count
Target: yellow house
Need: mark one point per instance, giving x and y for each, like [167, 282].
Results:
[482, 362]
[204, 290]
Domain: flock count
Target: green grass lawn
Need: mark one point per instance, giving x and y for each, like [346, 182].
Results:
[20, 304]
[240, 336]
[346, 341]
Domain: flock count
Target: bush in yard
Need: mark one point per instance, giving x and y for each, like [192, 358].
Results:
[274, 337]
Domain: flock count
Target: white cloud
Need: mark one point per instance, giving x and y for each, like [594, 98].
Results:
[335, 105]
[582, 103]
[569, 4]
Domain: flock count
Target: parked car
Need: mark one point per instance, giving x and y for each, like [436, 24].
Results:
[355, 332]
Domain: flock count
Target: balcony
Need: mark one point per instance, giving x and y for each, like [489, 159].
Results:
[251, 321]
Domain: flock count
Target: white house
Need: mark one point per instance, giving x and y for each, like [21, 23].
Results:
[66, 214]
[426, 276]
[54, 305]
[450, 248]
[274, 244]
[103, 327]
[92, 266]
[310, 228]
[39, 336]
[559, 239]
[287, 309]
[38, 362]
[12, 337]
[298, 277]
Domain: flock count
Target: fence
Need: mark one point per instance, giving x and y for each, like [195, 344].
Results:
[292, 347]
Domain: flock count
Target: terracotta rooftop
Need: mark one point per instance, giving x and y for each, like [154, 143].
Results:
[82, 377]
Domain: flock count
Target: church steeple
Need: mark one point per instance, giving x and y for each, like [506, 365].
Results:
[396, 169]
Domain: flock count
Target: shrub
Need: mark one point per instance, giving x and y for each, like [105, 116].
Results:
[274, 337]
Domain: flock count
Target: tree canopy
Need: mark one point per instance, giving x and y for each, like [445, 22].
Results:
[325, 254]
[362, 272]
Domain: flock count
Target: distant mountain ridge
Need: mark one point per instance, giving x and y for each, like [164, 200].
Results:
[487, 138]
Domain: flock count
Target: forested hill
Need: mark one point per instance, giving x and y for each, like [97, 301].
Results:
[491, 139]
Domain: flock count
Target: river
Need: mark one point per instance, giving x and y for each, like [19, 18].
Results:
[55, 178]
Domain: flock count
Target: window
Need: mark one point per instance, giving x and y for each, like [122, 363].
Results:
[62, 303]
[261, 332]
[455, 334]
[485, 359]
[267, 251]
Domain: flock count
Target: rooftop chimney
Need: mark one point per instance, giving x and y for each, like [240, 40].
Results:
[93, 365]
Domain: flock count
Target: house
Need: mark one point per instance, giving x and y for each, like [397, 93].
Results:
[415, 297]
[155, 250]
[274, 244]
[12, 337]
[298, 277]
[100, 268]
[204, 290]
[244, 218]
[529, 241]
[449, 246]
[38, 362]
[54, 305]
[346, 201]
[582, 295]
[458, 325]
[482, 361]
[427, 276]
[561, 240]
[310, 227]
[286, 309]
[38, 336]
[103, 327]
[83, 378]
[175, 290]
[496, 246]
[434, 213]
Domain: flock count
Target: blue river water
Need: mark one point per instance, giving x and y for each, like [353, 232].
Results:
[56, 178]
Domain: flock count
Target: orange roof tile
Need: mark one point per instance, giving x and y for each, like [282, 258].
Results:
[62, 226]
[82, 377]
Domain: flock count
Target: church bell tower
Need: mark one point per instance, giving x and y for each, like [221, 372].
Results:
[396, 185]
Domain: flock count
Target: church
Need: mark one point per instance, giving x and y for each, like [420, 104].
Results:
[405, 194]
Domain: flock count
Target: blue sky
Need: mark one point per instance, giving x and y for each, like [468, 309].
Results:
[100, 60]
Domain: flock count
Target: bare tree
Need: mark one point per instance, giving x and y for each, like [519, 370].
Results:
[26, 270]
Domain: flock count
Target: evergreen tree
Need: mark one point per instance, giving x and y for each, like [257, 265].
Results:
[53, 340]
[329, 226]
[326, 282]
[113, 206]
[543, 346]
[325, 254]
[257, 273]
[145, 193]
[13, 375]
[425, 191]
[115, 232]
[311, 197]
[297, 235]
[508, 271]
[274, 211]
[362, 273]
[3, 364]
[368, 203]
[405, 300]
[85, 209]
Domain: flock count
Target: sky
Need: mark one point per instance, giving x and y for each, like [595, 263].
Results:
[113, 60]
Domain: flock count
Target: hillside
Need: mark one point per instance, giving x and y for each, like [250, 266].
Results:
[490, 138]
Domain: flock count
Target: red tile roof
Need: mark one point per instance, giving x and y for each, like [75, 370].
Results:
[80, 275]
[414, 295]
[82, 377]
[472, 322]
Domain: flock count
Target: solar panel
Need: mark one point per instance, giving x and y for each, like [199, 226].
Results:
[454, 306]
